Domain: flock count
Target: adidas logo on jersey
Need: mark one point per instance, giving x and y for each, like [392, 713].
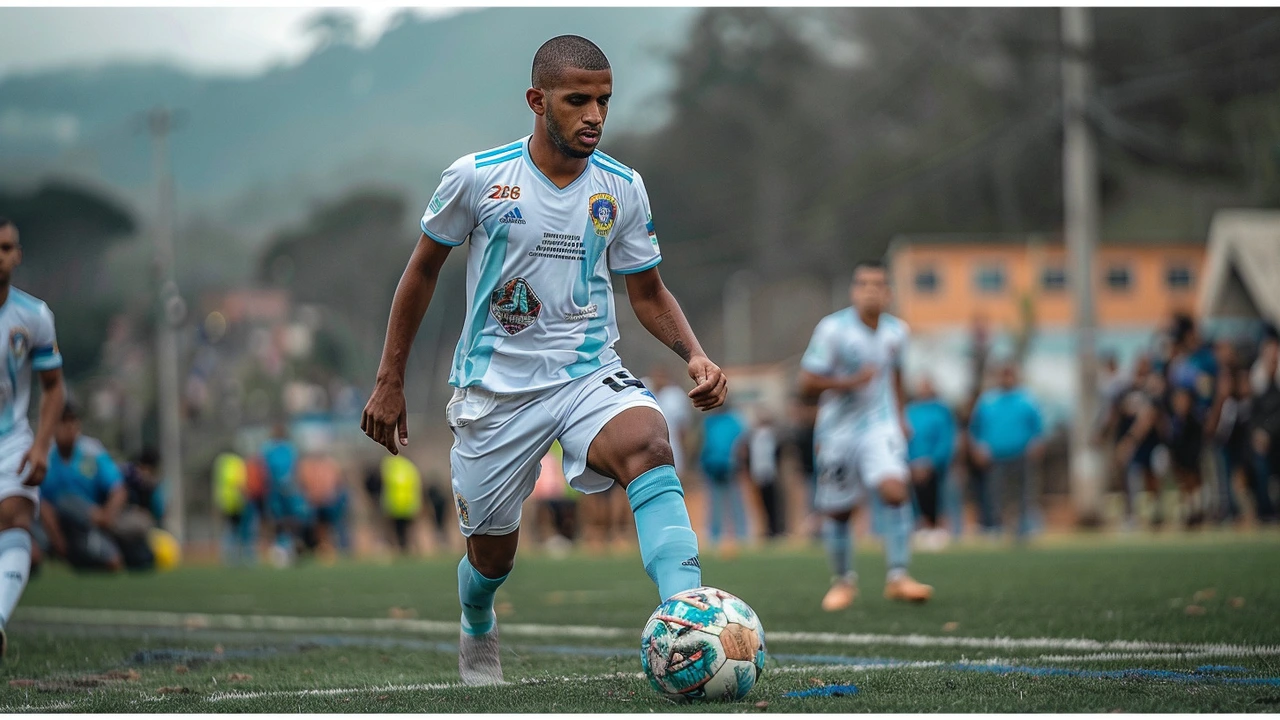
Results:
[512, 218]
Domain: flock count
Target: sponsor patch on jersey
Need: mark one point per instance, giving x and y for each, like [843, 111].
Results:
[436, 204]
[603, 209]
[19, 343]
[515, 305]
[653, 234]
[513, 217]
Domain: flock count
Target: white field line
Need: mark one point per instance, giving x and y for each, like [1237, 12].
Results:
[147, 618]
[6, 709]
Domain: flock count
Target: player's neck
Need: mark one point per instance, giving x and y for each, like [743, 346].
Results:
[559, 168]
[871, 320]
[4, 293]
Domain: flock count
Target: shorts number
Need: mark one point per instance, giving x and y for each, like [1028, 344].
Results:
[620, 381]
[503, 192]
[834, 475]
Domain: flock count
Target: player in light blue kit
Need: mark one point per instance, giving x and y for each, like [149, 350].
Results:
[26, 329]
[854, 366]
[549, 217]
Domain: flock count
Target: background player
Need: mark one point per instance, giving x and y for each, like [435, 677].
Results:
[29, 346]
[549, 218]
[853, 364]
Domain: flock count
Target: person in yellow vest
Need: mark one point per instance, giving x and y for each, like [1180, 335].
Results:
[401, 496]
[231, 498]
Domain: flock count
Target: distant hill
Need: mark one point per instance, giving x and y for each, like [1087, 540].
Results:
[258, 150]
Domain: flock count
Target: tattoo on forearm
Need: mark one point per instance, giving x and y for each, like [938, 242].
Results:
[670, 329]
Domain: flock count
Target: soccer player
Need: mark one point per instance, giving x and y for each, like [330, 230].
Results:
[854, 365]
[548, 217]
[29, 347]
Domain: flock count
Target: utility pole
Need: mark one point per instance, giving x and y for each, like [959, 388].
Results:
[1080, 184]
[169, 314]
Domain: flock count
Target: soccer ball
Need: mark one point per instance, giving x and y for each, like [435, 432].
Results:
[703, 644]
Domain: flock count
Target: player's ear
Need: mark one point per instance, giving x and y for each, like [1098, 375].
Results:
[537, 99]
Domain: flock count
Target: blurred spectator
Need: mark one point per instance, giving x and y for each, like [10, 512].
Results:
[1184, 435]
[1134, 429]
[553, 518]
[142, 485]
[321, 484]
[397, 485]
[722, 448]
[676, 408]
[1192, 365]
[1006, 429]
[287, 507]
[763, 455]
[1265, 424]
[803, 415]
[438, 491]
[82, 496]
[231, 498]
[1218, 432]
[929, 453]
[1259, 377]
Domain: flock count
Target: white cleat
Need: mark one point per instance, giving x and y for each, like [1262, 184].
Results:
[478, 662]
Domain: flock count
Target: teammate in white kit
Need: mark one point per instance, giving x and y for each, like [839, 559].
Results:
[854, 365]
[26, 328]
[548, 218]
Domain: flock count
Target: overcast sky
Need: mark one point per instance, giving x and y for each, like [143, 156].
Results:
[225, 40]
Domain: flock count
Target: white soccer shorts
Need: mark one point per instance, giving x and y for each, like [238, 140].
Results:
[500, 439]
[848, 463]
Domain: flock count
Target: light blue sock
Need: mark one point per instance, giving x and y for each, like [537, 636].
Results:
[15, 569]
[475, 592]
[898, 522]
[668, 545]
[839, 543]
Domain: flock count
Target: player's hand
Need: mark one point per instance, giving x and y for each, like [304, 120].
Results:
[385, 419]
[100, 517]
[38, 464]
[712, 383]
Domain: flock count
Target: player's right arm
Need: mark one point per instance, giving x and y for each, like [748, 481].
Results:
[818, 366]
[448, 221]
[384, 417]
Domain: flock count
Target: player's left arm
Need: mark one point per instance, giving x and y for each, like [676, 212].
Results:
[633, 252]
[658, 311]
[52, 397]
[112, 481]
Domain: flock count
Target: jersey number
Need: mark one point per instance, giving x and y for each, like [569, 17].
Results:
[620, 381]
[503, 192]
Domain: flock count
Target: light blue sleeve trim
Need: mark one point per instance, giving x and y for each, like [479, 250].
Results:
[48, 362]
[439, 238]
[647, 266]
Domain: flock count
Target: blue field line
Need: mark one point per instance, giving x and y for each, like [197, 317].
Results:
[826, 691]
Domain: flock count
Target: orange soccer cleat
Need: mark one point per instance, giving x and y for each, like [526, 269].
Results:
[904, 588]
[840, 596]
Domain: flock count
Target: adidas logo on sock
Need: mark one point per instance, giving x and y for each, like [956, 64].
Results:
[692, 562]
[512, 218]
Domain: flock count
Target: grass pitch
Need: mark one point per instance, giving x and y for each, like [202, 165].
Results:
[1145, 624]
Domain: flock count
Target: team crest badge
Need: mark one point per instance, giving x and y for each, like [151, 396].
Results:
[603, 209]
[18, 343]
[464, 512]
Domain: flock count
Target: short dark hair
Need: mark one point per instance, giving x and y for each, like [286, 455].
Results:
[563, 52]
[148, 457]
[869, 265]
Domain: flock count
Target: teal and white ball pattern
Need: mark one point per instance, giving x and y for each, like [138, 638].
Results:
[703, 644]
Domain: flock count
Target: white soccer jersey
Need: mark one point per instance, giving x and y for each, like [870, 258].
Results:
[540, 306]
[841, 345]
[26, 328]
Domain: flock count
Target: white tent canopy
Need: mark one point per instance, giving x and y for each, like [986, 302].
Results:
[1242, 271]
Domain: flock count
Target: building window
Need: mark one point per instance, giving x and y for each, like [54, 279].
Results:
[926, 281]
[1178, 277]
[1054, 279]
[989, 279]
[1118, 278]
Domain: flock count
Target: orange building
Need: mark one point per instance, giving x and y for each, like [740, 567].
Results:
[945, 281]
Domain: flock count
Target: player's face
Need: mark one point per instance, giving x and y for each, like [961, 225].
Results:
[10, 252]
[870, 291]
[574, 110]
